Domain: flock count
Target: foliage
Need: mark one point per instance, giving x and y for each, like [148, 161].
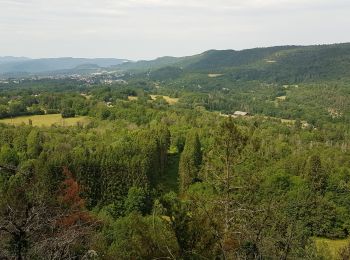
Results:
[144, 179]
[68, 112]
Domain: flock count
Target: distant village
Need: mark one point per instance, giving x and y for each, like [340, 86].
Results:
[104, 77]
[303, 124]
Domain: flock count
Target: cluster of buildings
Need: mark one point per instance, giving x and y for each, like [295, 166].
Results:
[105, 78]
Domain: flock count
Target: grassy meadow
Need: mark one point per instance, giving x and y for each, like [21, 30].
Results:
[171, 101]
[45, 120]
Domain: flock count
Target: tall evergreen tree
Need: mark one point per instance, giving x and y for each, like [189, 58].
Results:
[8, 156]
[224, 157]
[190, 161]
[316, 174]
[163, 142]
[34, 144]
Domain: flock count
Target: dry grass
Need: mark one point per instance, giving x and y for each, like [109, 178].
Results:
[215, 75]
[132, 98]
[334, 113]
[45, 120]
[288, 121]
[86, 96]
[331, 247]
[171, 101]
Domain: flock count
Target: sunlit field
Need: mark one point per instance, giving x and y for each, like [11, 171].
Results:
[45, 120]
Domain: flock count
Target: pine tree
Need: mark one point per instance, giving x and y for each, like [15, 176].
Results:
[316, 175]
[8, 156]
[69, 199]
[190, 161]
[136, 201]
[163, 142]
[225, 155]
[34, 144]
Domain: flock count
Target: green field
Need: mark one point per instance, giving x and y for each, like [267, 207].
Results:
[45, 120]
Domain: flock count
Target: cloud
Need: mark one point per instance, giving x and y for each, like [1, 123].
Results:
[149, 28]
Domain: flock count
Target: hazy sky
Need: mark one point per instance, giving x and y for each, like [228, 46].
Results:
[144, 29]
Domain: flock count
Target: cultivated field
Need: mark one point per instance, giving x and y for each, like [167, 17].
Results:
[45, 120]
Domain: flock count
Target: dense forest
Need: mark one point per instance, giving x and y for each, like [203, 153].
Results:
[163, 167]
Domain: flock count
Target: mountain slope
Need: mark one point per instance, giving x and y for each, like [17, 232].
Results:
[212, 59]
[215, 59]
[281, 64]
[151, 64]
[287, 64]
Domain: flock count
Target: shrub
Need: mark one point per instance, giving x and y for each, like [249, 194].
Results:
[68, 112]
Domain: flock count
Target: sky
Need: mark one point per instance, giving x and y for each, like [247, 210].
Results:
[146, 29]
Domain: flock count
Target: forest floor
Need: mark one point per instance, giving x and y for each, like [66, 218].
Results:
[45, 120]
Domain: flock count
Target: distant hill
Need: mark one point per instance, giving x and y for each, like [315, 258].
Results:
[12, 65]
[212, 59]
[218, 59]
[281, 63]
[9, 59]
[287, 64]
[151, 64]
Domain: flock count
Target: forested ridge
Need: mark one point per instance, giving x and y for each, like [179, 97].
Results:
[283, 64]
[163, 168]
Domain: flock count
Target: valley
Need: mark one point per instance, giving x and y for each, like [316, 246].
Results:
[223, 155]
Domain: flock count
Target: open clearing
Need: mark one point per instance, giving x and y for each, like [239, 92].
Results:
[132, 98]
[88, 97]
[45, 120]
[171, 101]
[215, 75]
[330, 246]
[282, 98]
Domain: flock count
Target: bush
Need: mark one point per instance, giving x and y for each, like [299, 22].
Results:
[68, 112]
[52, 111]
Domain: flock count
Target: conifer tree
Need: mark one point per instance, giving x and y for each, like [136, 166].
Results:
[316, 175]
[190, 161]
[34, 144]
[226, 154]
[162, 134]
[8, 156]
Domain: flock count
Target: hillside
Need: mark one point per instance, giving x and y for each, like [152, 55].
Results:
[274, 64]
[282, 64]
